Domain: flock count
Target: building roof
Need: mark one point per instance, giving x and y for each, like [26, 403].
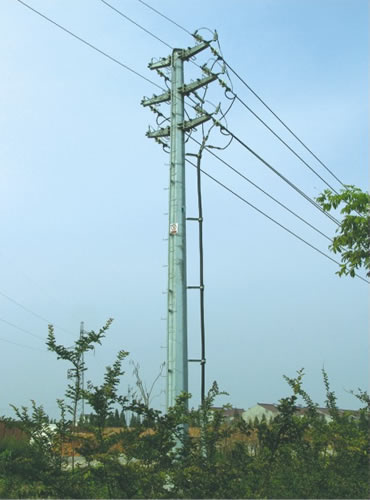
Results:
[301, 410]
[229, 412]
[269, 407]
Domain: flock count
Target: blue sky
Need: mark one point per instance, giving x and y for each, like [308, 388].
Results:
[82, 196]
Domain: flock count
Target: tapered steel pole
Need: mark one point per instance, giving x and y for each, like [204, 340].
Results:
[177, 339]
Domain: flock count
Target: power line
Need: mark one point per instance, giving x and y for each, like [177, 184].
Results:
[264, 192]
[282, 122]
[260, 119]
[21, 329]
[224, 128]
[234, 94]
[41, 288]
[136, 24]
[90, 45]
[24, 307]
[30, 311]
[20, 345]
[261, 100]
[283, 142]
[276, 172]
[270, 218]
[247, 147]
[165, 17]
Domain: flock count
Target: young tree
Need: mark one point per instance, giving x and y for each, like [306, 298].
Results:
[353, 239]
[74, 355]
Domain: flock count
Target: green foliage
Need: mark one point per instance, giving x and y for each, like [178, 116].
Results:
[33, 468]
[103, 398]
[306, 456]
[74, 356]
[185, 454]
[353, 239]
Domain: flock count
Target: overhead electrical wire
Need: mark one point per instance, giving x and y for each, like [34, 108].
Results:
[262, 102]
[279, 174]
[283, 123]
[150, 33]
[270, 218]
[309, 199]
[165, 17]
[255, 114]
[263, 191]
[120, 63]
[135, 23]
[41, 288]
[284, 142]
[224, 128]
[30, 311]
[275, 171]
[22, 329]
[20, 345]
[236, 97]
[35, 314]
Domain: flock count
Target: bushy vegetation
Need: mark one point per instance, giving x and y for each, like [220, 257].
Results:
[352, 240]
[182, 454]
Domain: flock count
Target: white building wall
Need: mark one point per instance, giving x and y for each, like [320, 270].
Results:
[258, 411]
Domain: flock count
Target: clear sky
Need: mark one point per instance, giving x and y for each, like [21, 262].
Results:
[83, 198]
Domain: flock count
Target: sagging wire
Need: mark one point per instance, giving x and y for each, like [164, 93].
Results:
[208, 69]
[218, 109]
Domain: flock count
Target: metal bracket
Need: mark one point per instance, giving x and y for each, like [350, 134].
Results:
[191, 87]
[192, 51]
[162, 63]
[201, 361]
[193, 123]
[162, 132]
[156, 99]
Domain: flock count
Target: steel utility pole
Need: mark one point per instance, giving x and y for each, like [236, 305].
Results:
[177, 339]
[177, 330]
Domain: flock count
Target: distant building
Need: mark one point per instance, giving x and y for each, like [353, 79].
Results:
[268, 411]
[261, 411]
[230, 413]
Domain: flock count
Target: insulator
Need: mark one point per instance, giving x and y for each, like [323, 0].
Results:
[214, 52]
[197, 37]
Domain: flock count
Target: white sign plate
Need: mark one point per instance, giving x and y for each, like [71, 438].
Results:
[174, 228]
